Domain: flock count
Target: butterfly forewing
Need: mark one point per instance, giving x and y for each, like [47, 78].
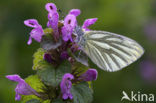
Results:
[109, 51]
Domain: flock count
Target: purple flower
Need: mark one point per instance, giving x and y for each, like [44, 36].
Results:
[31, 23]
[64, 55]
[53, 18]
[51, 7]
[48, 58]
[90, 75]
[66, 85]
[36, 33]
[22, 88]
[88, 23]
[148, 71]
[69, 25]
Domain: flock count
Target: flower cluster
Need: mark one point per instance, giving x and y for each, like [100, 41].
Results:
[60, 30]
[69, 24]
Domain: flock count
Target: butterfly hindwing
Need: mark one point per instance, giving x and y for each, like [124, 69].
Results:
[109, 51]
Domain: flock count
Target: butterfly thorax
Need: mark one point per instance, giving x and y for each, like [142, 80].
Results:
[80, 40]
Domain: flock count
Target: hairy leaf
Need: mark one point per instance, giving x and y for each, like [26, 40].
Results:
[48, 31]
[48, 43]
[79, 68]
[82, 93]
[58, 101]
[36, 84]
[39, 62]
[33, 101]
[52, 76]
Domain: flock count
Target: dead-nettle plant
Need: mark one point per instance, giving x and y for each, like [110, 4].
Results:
[63, 74]
[60, 78]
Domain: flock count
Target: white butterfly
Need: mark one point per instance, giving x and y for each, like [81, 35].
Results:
[109, 51]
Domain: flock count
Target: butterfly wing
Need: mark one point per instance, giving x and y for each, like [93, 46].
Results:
[110, 51]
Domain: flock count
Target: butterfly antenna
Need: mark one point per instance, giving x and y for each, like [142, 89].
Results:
[61, 13]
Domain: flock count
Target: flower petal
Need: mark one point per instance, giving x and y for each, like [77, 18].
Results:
[15, 78]
[75, 12]
[48, 58]
[53, 21]
[65, 96]
[88, 23]
[22, 87]
[90, 75]
[48, 24]
[69, 25]
[51, 7]
[66, 85]
[67, 33]
[17, 97]
[31, 23]
[37, 34]
[29, 41]
[70, 96]
[70, 20]
[64, 55]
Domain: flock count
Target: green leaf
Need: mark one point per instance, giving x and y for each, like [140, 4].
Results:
[33, 101]
[52, 76]
[26, 98]
[48, 31]
[58, 101]
[36, 84]
[79, 68]
[48, 43]
[39, 62]
[82, 93]
[46, 101]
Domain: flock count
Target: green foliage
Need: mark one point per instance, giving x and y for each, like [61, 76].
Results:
[48, 30]
[46, 101]
[58, 101]
[36, 84]
[37, 101]
[79, 68]
[33, 101]
[48, 43]
[52, 76]
[39, 62]
[26, 98]
[82, 93]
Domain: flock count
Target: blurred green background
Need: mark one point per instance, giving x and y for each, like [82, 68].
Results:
[133, 18]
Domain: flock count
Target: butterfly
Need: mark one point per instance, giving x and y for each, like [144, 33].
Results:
[109, 51]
